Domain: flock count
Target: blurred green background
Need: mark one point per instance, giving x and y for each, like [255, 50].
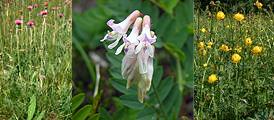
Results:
[171, 95]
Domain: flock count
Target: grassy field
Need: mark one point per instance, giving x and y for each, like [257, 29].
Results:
[35, 60]
[233, 65]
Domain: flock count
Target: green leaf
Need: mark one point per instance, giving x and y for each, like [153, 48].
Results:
[83, 113]
[173, 101]
[94, 117]
[174, 51]
[120, 85]
[166, 5]
[164, 88]
[32, 106]
[41, 115]
[77, 101]
[131, 101]
[104, 115]
[147, 114]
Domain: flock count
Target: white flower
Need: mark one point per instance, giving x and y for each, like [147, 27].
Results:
[119, 29]
[132, 38]
[129, 65]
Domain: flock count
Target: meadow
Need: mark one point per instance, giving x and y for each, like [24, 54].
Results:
[35, 59]
[233, 64]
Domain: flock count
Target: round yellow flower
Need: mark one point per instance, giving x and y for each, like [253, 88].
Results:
[203, 30]
[248, 41]
[236, 58]
[239, 17]
[256, 50]
[224, 48]
[220, 15]
[259, 4]
[201, 45]
[212, 78]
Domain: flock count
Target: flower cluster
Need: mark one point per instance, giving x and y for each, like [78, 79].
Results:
[137, 64]
[44, 12]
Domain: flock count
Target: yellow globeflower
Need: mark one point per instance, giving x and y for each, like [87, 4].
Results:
[239, 17]
[259, 4]
[212, 78]
[236, 58]
[256, 50]
[220, 15]
[248, 41]
[203, 30]
[224, 48]
[201, 45]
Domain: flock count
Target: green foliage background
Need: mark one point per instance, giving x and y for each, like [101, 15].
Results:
[172, 79]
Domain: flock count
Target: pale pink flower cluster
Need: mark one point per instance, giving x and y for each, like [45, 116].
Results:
[137, 64]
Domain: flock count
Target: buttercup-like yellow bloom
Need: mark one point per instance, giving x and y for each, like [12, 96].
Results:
[238, 49]
[202, 52]
[248, 41]
[203, 30]
[239, 17]
[220, 15]
[236, 58]
[224, 48]
[212, 78]
[201, 45]
[259, 4]
[209, 44]
[205, 65]
[256, 50]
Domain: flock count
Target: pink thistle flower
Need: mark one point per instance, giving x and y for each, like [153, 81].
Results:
[18, 22]
[61, 15]
[46, 4]
[44, 12]
[30, 7]
[35, 5]
[30, 23]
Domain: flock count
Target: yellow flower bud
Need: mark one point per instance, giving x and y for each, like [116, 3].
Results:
[259, 4]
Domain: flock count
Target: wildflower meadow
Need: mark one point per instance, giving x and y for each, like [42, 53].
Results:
[234, 60]
[35, 59]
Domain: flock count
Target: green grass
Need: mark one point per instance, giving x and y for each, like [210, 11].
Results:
[35, 61]
[243, 90]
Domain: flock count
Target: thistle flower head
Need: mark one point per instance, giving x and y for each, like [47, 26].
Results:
[30, 7]
[43, 12]
[30, 23]
[18, 22]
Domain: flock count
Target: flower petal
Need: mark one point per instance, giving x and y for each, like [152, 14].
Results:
[115, 43]
[139, 47]
[119, 49]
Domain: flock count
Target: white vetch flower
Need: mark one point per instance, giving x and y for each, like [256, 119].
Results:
[145, 54]
[119, 29]
[129, 65]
